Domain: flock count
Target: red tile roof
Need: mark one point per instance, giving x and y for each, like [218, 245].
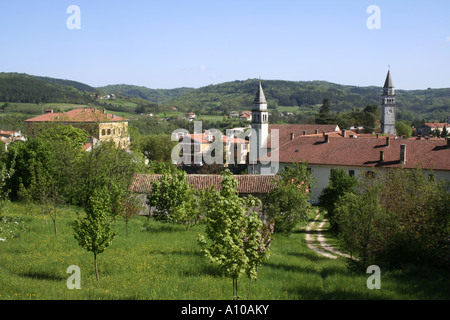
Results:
[203, 138]
[436, 125]
[365, 152]
[285, 131]
[78, 115]
[247, 184]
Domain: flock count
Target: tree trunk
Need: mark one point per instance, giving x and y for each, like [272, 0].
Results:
[54, 227]
[95, 262]
[126, 222]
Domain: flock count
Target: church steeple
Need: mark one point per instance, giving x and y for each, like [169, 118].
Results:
[388, 88]
[260, 98]
[388, 106]
[259, 111]
[260, 124]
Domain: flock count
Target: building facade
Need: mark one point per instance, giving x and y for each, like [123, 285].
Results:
[100, 125]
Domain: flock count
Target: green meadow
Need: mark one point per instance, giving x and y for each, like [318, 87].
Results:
[159, 261]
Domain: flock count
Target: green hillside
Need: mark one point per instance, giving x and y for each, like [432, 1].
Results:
[431, 104]
[298, 97]
[23, 88]
[152, 95]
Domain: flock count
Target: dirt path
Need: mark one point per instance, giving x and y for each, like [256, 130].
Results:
[317, 242]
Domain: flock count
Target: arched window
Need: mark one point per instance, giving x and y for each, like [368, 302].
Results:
[103, 132]
[109, 132]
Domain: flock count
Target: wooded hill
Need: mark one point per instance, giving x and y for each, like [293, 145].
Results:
[221, 99]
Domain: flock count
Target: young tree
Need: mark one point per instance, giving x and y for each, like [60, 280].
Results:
[174, 200]
[340, 184]
[288, 203]
[129, 207]
[233, 233]
[94, 232]
[256, 245]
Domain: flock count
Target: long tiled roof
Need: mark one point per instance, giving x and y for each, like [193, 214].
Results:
[78, 115]
[285, 131]
[247, 184]
[366, 152]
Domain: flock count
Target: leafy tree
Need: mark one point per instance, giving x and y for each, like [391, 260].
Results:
[324, 116]
[174, 199]
[444, 132]
[93, 232]
[398, 217]
[340, 184]
[403, 129]
[104, 166]
[156, 147]
[235, 235]
[288, 203]
[129, 207]
[360, 217]
[257, 245]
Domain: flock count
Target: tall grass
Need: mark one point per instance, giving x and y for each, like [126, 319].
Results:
[163, 261]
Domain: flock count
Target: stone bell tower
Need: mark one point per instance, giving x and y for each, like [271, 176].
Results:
[388, 107]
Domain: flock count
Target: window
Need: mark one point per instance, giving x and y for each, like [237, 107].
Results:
[114, 131]
[103, 132]
[351, 173]
[109, 132]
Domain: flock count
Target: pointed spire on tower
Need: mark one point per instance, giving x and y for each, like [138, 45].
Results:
[260, 98]
[388, 83]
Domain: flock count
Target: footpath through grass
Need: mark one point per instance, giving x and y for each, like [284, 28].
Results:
[162, 262]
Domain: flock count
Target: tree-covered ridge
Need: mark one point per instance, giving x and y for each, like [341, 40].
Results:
[23, 88]
[222, 99]
[152, 95]
[239, 95]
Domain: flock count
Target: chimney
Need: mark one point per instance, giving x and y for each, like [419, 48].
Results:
[344, 133]
[327, 139]
[292, 136]
[403, 153]
[387, 141]
[381, 156]
[316, 131]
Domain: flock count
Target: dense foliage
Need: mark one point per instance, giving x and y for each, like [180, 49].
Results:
[289, 202]
[398, 217]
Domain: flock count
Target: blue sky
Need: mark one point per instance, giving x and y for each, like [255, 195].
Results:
[194, 43]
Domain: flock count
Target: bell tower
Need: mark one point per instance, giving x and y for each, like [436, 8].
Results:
[260, 118]
[388, 106]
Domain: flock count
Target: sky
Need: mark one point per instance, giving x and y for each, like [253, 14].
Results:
[168, 44]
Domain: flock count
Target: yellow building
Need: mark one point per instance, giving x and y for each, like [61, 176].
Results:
[99, 125]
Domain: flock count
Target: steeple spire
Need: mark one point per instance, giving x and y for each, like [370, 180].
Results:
[388, 83]
[260, 98]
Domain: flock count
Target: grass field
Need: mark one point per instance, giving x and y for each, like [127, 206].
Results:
[162, 262]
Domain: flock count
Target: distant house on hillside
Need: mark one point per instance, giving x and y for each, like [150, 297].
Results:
[194, 147]
[10, 136]
[100, 125]
[246, 116]
[427, 129]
